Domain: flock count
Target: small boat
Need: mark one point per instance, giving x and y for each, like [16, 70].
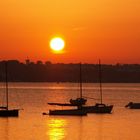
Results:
[99, 107]
[73, 112]
[132, 105]
[78, 102]
[4, 110]
[9, 113]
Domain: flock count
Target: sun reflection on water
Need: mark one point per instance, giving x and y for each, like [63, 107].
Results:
[57, 129]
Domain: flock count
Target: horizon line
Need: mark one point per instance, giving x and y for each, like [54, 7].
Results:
[28, 61]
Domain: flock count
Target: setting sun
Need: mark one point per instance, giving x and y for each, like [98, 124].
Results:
[57, 44]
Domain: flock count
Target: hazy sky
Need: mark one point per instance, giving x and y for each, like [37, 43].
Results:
[92, 29]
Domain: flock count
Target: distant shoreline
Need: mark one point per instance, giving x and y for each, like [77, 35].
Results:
[48, 72]
[71, 82]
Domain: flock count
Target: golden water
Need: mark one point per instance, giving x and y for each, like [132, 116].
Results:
[122, 124]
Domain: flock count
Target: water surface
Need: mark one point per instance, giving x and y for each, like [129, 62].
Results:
[32, 98]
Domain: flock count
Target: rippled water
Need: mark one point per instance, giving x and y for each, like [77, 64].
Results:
[32, 98]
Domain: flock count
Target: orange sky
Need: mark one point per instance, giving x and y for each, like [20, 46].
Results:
[92, 29]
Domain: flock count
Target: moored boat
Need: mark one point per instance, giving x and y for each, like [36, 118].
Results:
[73, 112]
[132, 105]
[78, 102]
[9, 113]
[4, 110]
[99, 107]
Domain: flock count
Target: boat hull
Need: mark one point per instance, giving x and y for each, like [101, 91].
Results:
[74, 112]
[9, 113]
[98, 109]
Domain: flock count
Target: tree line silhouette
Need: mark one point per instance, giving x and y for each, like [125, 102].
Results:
[60, 72]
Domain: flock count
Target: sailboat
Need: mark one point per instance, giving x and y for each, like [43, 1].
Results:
[99, 107]
[78, 102]
[4, 110]
[74, 112]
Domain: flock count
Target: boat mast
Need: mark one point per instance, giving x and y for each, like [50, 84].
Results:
[6, 80]
[100, 80]
[80, 80]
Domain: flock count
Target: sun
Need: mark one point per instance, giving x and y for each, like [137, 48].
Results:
[57, 44]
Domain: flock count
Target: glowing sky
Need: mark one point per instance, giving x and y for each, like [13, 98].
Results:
[92, 29]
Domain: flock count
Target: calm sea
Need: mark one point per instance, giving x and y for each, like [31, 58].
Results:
[32, 98]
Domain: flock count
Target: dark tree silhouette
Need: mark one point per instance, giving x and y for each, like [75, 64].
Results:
[48, 72]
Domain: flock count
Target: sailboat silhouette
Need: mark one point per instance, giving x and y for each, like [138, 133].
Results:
[4, 110]
[99, 107]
